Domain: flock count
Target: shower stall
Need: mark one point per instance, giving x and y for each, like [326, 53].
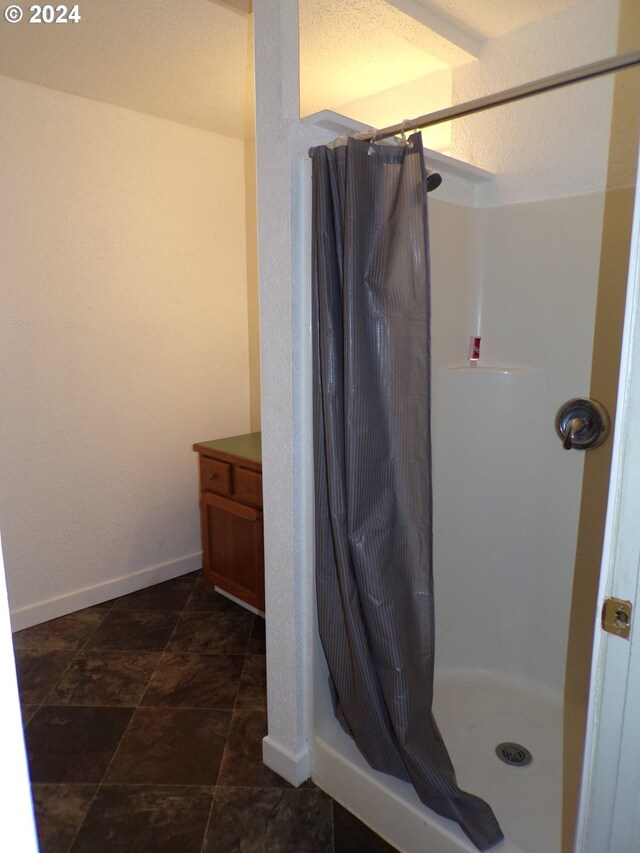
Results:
[540, 278]
[506, 504]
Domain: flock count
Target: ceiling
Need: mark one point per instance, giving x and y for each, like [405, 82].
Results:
[184, 60]
[188, 60]
[492, 18]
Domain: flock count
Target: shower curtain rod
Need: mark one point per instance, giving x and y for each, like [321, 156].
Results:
[507, 96]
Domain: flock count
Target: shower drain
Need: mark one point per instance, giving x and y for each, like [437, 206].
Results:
[514, 754]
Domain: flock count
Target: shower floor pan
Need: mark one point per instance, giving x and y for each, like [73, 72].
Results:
[475, 711]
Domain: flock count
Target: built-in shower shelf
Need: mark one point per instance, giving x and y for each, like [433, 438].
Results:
[345, 126]
[490, 368]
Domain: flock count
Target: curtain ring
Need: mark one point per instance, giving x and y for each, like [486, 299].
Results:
[403, 131]
[372, 150]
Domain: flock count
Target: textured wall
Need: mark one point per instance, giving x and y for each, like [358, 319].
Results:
[424, 95]
[124, 338]
[283, 254]
[553, 144]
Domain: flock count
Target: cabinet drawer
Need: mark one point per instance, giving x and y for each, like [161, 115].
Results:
[215, 476]
[247, 486]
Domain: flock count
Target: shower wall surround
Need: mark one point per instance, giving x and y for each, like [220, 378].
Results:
[506, 496]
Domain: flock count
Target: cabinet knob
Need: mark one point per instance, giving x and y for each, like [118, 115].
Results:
[211, 477]
[253, 519]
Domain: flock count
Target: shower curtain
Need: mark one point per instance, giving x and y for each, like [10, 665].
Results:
[372, 447]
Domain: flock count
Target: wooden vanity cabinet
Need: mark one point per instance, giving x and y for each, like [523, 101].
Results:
[231, 516]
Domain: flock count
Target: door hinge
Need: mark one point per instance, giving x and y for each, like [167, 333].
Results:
[616, 617]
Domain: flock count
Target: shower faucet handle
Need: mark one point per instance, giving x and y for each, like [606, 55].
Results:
[572, 429]
[582, 424]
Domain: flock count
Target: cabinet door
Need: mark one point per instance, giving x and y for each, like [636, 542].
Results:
[233, 548]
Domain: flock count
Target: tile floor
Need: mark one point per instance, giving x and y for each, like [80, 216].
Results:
[143, 721]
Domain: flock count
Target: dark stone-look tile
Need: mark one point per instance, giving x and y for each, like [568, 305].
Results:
[59, 811]
[350, 834]
[214, 634]
[38, 671]
[145, 819]
[242, 762]
[253, 683]
[73, 744]
[67, 632]
[102, 607]
[135, 631]
[254, 820]
[258, 641]
[167, 746]
[205, 598]
[27, 712]
[195, 681]
[170, 595]
[105, 677]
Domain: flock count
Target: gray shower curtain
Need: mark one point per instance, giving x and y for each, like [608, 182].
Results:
[373, 466]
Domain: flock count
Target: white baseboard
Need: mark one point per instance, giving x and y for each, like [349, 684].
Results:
[42, 611]
[296, 769]
[239, 601]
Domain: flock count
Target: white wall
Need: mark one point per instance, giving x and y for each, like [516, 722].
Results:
[417, 97]
[284, 249]
[124, 341]
[550, 145]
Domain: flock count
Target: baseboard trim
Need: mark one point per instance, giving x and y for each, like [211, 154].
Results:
[51, 608]
[239, 601]
[295, 768]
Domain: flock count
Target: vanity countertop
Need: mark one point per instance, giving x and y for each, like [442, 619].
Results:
[248, 446]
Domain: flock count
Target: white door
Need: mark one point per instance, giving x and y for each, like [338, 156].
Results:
[609, 815]
[16, 815]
